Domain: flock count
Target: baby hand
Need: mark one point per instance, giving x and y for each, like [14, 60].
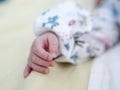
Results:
[43, 50]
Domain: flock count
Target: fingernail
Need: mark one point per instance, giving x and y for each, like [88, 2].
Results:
[46, 71]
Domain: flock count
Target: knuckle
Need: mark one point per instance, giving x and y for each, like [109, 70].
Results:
[33, 58]
[44, 63]
[34, 49]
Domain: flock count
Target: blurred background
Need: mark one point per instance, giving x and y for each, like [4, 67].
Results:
[16, 29]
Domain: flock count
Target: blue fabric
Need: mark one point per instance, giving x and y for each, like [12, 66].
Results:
[2, 1]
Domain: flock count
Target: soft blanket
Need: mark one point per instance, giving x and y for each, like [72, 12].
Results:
[105, 73]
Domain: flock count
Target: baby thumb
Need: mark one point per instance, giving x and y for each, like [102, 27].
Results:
[53, 49]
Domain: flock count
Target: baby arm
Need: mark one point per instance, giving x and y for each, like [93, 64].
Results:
[105, 23]
[105, 31]
[73, 26]
[65, 20]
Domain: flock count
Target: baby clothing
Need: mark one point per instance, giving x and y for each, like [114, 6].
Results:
[81, 34]
[105, 23]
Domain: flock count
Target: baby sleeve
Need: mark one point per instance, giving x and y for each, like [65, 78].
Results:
[66, 20]
[105, 23]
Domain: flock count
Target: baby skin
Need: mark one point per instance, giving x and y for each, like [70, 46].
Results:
[43, 50]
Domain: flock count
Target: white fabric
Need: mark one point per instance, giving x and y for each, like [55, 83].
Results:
[105, 73]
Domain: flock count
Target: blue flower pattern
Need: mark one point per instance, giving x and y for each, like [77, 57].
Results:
[67, 46]
[97, 28]
[52, 21]
[74, 57]
[114, 10]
